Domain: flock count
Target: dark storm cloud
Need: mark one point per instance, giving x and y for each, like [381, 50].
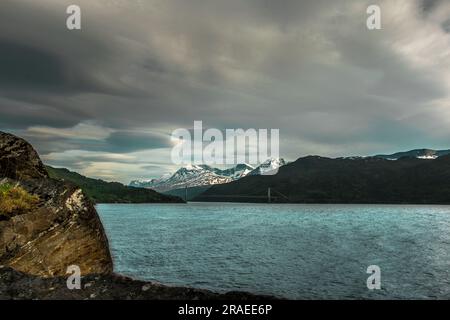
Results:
[41, 60]
[27, 67]
[151, 167]
[114, 142]
[122, 141]
[23, 67]
[139, 69]
[446, 26]
[429, 5]
[22, 114]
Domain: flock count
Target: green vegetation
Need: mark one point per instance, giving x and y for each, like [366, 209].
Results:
[4, 188]
[101, 191]
[14, 201]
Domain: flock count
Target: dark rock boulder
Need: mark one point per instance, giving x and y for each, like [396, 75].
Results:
[62, 230]
[18, 285]
[18, 159]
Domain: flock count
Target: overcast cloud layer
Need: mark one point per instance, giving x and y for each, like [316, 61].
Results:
[104, 100]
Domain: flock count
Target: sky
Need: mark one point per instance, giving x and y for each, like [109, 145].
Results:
[104, 100]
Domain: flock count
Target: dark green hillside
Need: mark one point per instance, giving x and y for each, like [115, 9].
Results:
[192, 192]
[362, 180]
[110, 192]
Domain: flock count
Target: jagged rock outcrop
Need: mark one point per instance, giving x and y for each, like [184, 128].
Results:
[18, 159]
[62, 230]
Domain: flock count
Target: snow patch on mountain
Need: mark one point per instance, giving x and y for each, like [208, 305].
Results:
[204, 175]
[427, 154]
[268, 167]
[194, 176]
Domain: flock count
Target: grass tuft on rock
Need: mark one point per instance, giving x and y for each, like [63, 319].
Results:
[15, 200]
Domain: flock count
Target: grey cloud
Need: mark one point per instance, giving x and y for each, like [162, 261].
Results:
[50, 144]
[151, 167]
[446, 26]
[429, 5]
[122, 141]
[22, 114]
[36, 70]
[24, 66]
[118, 142]
[41, 57]
[309, 68]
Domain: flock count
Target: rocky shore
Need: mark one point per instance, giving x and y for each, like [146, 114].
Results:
[61, 229]
[21, 286]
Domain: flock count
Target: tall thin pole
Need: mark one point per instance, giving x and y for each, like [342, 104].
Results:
[268, 195]
[185, 193]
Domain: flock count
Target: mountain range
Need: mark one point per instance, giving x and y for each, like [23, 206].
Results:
[415, 177]
[197, 177]
[203, 175]
[417, 153]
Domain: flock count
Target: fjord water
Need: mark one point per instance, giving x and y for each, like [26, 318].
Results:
[293, 251]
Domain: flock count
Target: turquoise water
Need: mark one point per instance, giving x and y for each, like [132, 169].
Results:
[292, 251]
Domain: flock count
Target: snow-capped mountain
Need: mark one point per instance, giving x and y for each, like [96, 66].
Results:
[204, 175]
[240, 171]
[268, 167]
[148, 183]
[417, 153]
[194, 176]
